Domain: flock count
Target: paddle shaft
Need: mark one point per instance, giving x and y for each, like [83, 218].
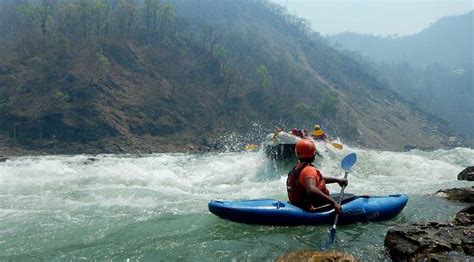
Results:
[347, 163]
[340, 200]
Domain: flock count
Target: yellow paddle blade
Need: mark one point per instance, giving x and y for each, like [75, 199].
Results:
[337, 145]
[250, 147]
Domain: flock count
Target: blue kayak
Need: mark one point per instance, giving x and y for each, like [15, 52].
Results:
[273, 212]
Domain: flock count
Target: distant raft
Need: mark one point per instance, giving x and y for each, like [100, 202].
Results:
[281, 145]
[273, 212]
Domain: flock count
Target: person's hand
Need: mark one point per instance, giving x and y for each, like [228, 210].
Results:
[342, 182]
[337, 208]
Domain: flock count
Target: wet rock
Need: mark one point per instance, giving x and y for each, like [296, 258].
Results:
[465, 194]
[420, 241]
[90, 160]
[205, 149]
[467, 174]
[316, 256]
[467, 242]
[3, 159]
[465, 217]
[433, 241]
[451, 257]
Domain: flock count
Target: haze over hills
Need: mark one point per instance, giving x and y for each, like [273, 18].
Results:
[447, 42]
[108, 76]
[432, 69]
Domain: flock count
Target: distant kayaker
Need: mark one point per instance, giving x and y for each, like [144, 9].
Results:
[297, 132]
[318, 133]
[305, 185]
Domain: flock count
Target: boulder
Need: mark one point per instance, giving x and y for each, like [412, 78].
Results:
[433, 241]
[467, 174]
[465, 194]
[465, 217]
[316, 256]
[421, 241]
[205, 149]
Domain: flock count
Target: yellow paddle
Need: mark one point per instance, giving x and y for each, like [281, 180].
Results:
[337, 145]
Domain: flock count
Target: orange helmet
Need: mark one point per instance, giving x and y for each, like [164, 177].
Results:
[305, 148]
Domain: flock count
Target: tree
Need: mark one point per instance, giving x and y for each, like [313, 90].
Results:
[329, 105]
[263, 76]
[167, 17]
[151, 9]
[102, 66]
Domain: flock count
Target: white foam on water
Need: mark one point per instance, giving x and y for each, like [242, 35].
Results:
[173, 183]
[415, 172]
[184, 183]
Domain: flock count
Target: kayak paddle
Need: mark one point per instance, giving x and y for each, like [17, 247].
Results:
[337, 145]
[347, 163]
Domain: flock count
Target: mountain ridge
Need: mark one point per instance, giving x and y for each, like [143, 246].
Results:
[201, 77]
[434, 44]
[432, 69]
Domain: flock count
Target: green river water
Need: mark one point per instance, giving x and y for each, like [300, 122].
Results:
[154, 207]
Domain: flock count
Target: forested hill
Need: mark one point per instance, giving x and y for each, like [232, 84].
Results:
[447, 41]
[111, 76]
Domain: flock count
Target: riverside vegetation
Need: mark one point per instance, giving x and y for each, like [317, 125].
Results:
[127, 75]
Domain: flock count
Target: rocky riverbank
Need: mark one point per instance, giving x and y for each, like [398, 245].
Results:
[465, 194]
[135, 145]
[437, 241]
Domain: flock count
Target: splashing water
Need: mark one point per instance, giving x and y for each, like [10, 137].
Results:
[155, 206]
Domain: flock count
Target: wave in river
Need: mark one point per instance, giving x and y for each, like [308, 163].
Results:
[182, 183]
[154, 207]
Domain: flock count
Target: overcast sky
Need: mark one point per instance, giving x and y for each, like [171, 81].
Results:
[382, 17]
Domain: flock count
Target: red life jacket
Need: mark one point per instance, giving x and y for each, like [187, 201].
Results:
[297, 193]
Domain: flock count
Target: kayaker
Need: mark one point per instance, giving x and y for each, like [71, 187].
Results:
[305, 185]
[277, 130]
[318, 133]
[297, 132]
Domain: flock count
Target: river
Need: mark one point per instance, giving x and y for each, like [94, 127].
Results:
[154, 207]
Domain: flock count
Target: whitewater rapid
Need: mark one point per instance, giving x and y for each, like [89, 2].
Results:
[122, 206]
[183, 183]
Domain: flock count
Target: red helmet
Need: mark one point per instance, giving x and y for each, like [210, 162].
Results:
[305, 148]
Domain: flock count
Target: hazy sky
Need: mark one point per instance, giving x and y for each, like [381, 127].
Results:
[382, 17]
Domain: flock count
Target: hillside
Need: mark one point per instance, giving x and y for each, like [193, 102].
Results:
[107, 76]
[431, 69]
[447, 42]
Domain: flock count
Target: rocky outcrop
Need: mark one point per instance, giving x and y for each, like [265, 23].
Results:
[318, 256]
[467, 174]
[465, 217]
[465, 194]
[434, 241]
